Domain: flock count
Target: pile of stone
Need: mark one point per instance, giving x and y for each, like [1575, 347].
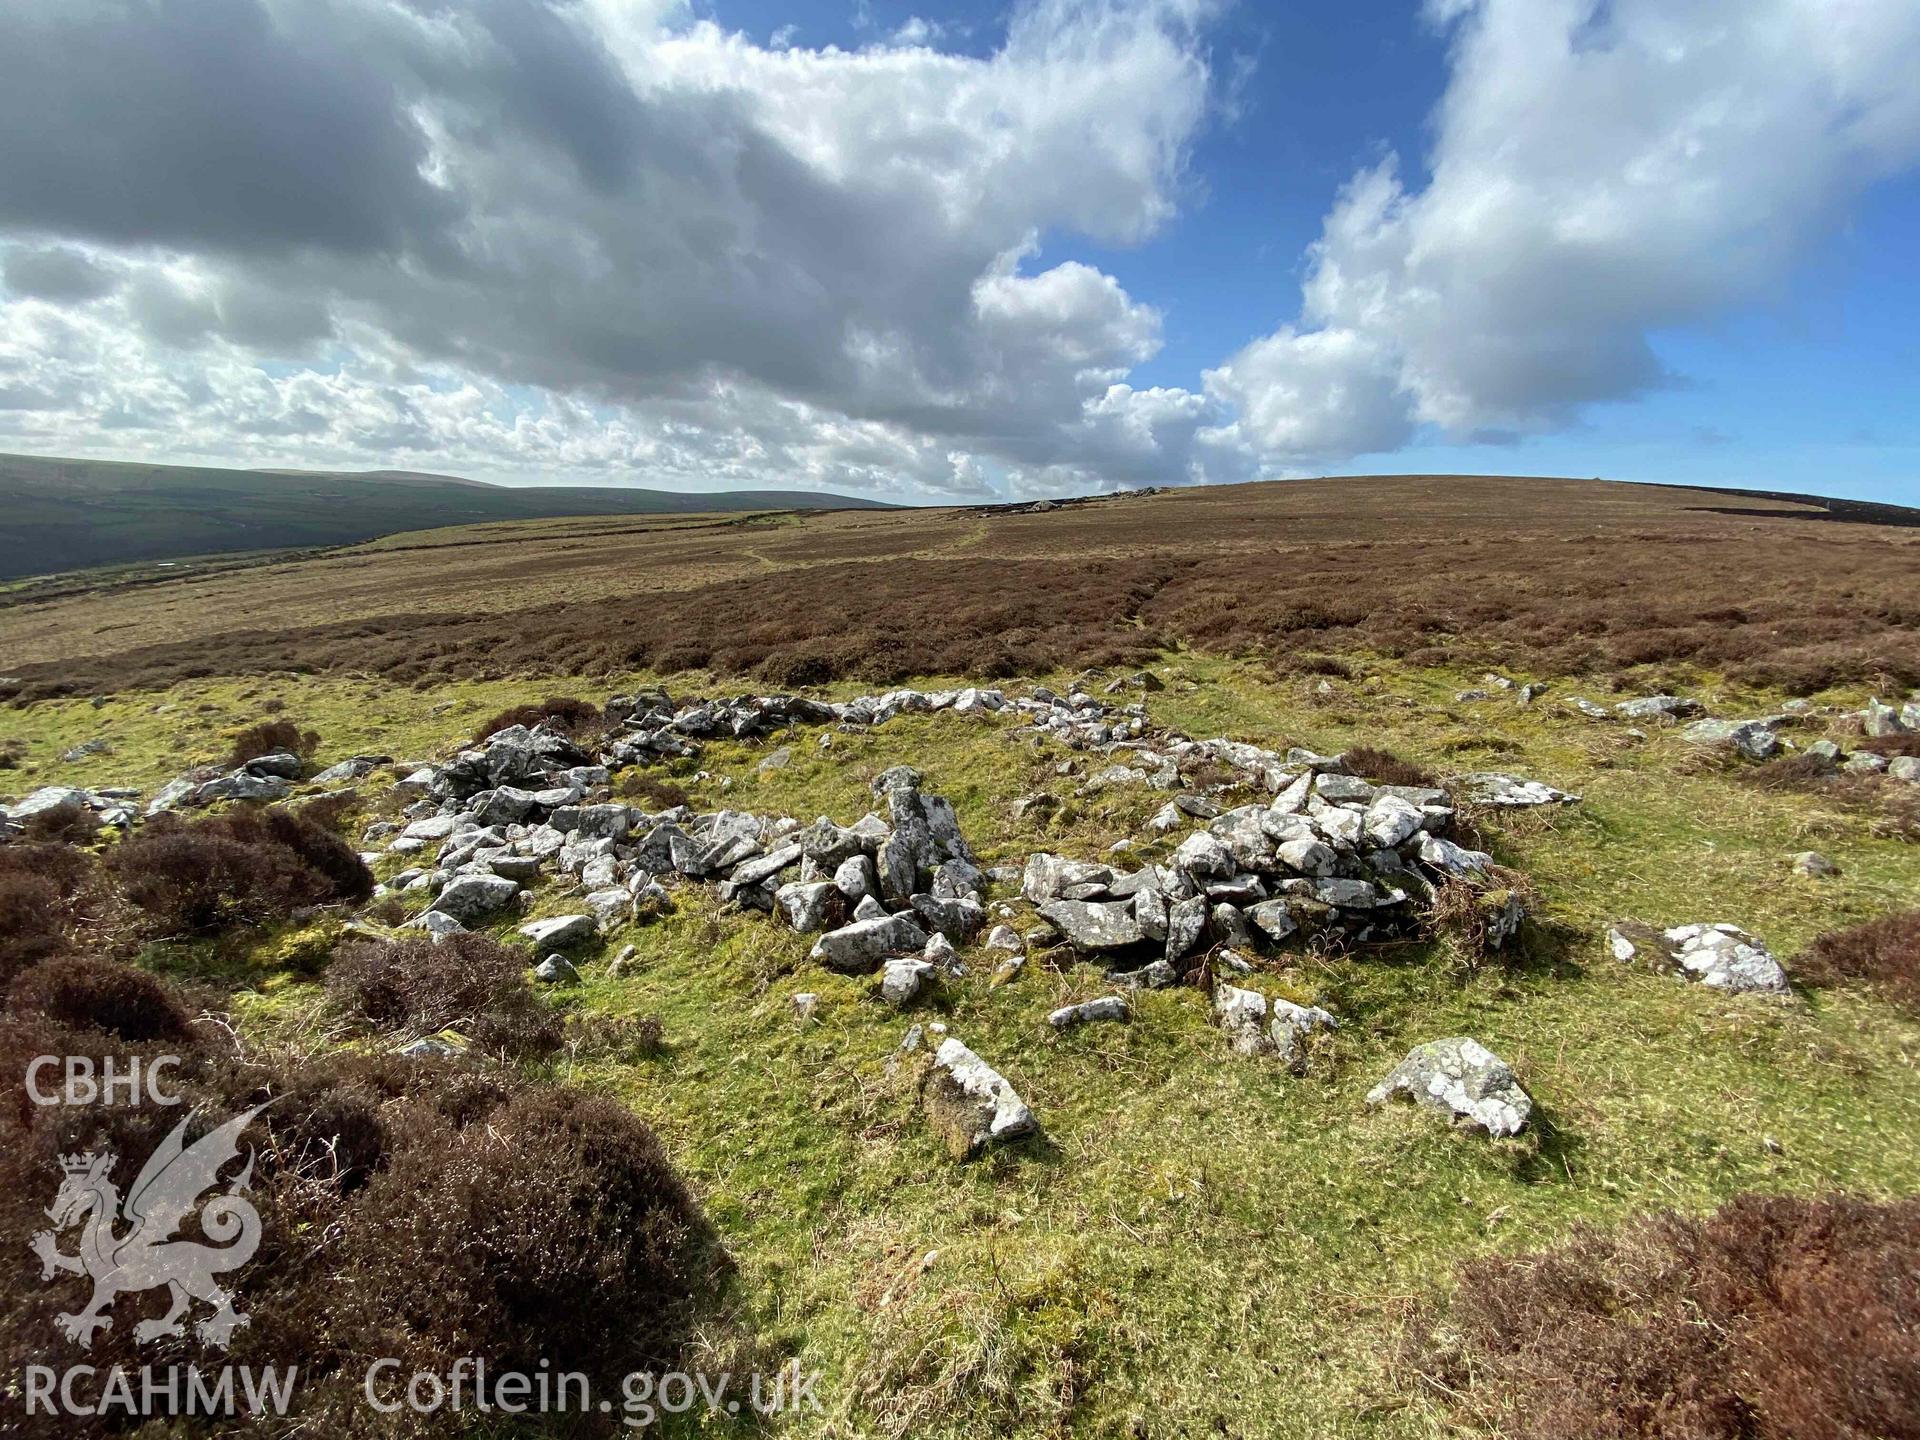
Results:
[110, 806]
[1330, 852]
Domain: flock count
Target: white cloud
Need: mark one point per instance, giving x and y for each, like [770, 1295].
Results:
[605, 237]
[1601, 171]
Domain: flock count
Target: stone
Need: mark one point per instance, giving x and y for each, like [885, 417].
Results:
[1257, 1026]
[1306, 855]
[903, 980]
[806, 1005]
[958, 920]
[1150, 909]
[1107, 1007]
[559, 931]
[1658, 707]
[1588, 708]
[474, 898]
[1336, 788]
[828, 844]
[810, 906]
[1461, 1078]
[1227, 925]
[611, 906]
[862, 945]
[242, 786]
[556, 970]
[1501, 791]
[1186, 923]
[1273, 919]
[519, 868]
[1202, 854]
[1881, 722]
[1814, 865]
[1158, 975]
[940, 954]
[1004, 937]
[1905, 768]
[1087, 925]
[1750, 739]
[618, 966]
[436, 924]
[1048, 877]
[764, 867]
[855, 878]
[1724, 957]
[1442, 854]
[281, 764]
[47, 799]
[1391, 820]
[970, 1104]
[869, 908]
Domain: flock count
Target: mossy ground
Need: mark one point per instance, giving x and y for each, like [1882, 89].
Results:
[1203, 1242]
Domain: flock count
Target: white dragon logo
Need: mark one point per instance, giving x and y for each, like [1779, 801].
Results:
[165, 1192]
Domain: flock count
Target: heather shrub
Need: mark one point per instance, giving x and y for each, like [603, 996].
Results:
[246, 867]
[515, 1237]
[421, 1209]
[467, 982]
[271, 737]
[1883, 955]
[66, 824]
[47, 892]
[1777, 1318]
[76, 993]
[573, 717]
[1383, 767]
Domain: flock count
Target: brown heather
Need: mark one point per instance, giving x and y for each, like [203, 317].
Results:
[1553, 576]
[411, 1208]
[1778, 1318]
[1883, 955]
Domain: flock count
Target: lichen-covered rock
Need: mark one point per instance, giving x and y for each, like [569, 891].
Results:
[1722, 956]
[1462, 1079]
[859, 947]
[471, 899]
[1509, 792]
[1111, 925]
[557, 932]
[905, 979]
[970, 1104]
[1750, 739]
[1107, 1007]
[1258, 1026]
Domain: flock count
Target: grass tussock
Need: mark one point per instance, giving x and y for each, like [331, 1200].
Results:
[1777, 1317]
[1883, 955]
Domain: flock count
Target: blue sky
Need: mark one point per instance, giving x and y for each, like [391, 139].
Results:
[941, 250]
[1814, 388]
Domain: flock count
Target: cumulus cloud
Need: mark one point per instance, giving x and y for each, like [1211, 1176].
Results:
[1601, 170]
[602, 234]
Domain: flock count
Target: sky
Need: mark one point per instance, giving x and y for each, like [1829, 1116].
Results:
[941, 251]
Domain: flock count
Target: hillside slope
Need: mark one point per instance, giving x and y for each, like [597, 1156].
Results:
[71, 514]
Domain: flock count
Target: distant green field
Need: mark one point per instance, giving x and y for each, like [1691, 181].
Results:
[60, 515]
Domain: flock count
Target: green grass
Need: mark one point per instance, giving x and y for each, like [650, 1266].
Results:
[1200, 1240]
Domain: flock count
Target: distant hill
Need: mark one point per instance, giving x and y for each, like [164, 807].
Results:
[74, 514]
